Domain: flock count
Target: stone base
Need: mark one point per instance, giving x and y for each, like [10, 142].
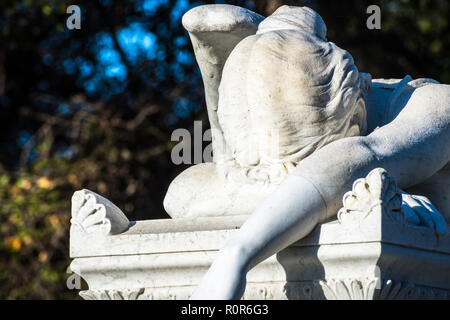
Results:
[371, 258]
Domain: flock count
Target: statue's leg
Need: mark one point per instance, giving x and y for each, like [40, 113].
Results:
[205, 190]
[290, 213]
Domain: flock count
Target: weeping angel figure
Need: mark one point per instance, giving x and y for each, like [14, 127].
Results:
[294, 124]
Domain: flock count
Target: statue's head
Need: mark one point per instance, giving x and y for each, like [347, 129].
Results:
[292, 18]
[299, 84]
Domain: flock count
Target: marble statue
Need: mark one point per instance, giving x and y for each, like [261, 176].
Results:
[295, 126]
[333, 125]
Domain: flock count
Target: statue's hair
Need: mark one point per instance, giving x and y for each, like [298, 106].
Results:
[331, 85]
[289, 17]
[309, 93]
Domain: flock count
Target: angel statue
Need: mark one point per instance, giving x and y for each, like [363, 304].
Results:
[294, 124]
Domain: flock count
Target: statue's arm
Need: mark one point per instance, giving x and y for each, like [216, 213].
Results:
[414, 146]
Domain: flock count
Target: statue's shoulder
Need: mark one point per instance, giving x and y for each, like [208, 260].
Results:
[395, 93]
[401, 84]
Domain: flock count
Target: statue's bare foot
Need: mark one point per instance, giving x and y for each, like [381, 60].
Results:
[225, 280]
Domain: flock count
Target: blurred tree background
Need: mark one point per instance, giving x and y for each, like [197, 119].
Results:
[95, 108]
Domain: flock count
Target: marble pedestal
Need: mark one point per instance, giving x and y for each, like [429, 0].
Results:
[372, 257]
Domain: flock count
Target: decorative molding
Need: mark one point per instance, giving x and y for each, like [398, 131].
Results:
[378, 191]
[329, 289]
[362, 289]
[333, 289]
[93, 213]
[114, 294]
[366, 289]
[349, 289]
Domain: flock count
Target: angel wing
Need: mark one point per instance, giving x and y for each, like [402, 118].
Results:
[214, 31]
